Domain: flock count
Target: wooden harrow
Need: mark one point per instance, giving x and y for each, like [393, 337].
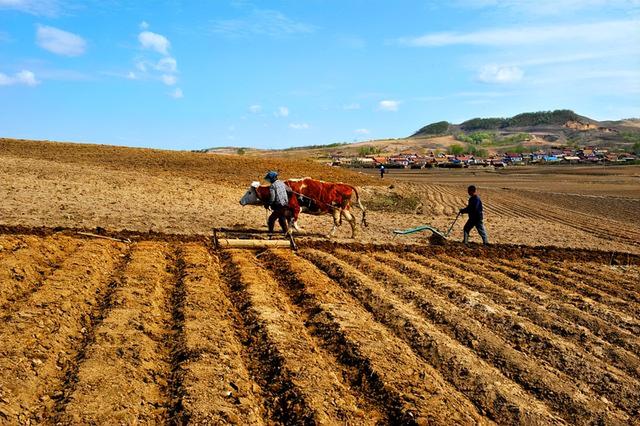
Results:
[255, 238]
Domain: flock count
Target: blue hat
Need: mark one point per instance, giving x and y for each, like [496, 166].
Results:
[271, 176]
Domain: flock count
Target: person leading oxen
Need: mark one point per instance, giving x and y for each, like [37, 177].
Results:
[278, 202]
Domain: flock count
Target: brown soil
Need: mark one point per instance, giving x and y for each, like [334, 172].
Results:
[170, 331]
[540, 328]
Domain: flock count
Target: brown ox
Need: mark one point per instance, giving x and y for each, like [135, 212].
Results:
[319, 197]
[313, 196]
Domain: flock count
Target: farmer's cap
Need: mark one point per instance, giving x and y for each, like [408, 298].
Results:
[271, 176]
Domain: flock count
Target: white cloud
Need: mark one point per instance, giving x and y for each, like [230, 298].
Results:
[581, 34]
[34, 7]
[282, 112]
[167, 64]
[169, 79]
[299, 126]
[349, 107]
[163, 70]
[154, 41]
[255, 109]
[547, 7]
[60, 42]
[27, 77]
[263, 23]
[388, 105]
[500, 74]
[362, 131]
[24, 77]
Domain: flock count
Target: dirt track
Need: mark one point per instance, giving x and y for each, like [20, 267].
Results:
[166, 330]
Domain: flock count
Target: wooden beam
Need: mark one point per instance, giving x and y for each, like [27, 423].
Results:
[239, 243]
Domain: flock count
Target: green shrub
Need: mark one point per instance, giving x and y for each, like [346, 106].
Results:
[455, 149]
[477, 152]
[368, 150]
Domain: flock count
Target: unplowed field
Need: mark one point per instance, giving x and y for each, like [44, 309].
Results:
[167, 330]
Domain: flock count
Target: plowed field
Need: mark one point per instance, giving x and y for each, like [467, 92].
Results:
[167, 330]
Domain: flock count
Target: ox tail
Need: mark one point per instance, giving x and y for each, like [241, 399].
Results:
[363, 222]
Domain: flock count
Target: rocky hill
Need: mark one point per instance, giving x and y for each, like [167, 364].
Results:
[480, 136]
[562, 127]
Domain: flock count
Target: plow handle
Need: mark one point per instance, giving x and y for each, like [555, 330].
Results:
[453, 223]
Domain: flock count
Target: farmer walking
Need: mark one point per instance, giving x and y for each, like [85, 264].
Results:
[474, 210]
[278, 201]
[382, 170]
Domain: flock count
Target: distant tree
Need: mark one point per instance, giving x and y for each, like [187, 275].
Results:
[241, 151]
[517, 138]
[484, 124]
[433, 129]
[455, 149]
[476, 152]
[368, 150]
[481, 153]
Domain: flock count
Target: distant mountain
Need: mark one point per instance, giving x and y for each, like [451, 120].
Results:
[560, 126]
[522, 132]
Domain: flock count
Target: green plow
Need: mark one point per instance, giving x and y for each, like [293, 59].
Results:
[421, 228]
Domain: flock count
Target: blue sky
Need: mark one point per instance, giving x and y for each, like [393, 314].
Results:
[183, 74]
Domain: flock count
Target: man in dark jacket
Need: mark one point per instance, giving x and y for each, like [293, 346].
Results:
[474, 210]
[279, 203]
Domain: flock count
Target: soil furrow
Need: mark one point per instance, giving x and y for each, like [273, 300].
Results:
[581, 222]
[521, 306]
[627, 309]
[385, 366]
[41, 340]
[549, 385]
[593, 283]
[24, 270]
[619, 276]
[550, 216]
[283, 401]
[610, 333]
[530, 339]
[125, 377]
[9, 244]
[481, 382]
[176, 343]
[566, 295]
[324, 397]
[217, 386]
[100, 311]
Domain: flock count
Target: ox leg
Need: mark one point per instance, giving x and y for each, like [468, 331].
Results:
[336, 222]
[352, 221]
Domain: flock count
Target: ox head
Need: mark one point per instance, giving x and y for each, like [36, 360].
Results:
[251, 196]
